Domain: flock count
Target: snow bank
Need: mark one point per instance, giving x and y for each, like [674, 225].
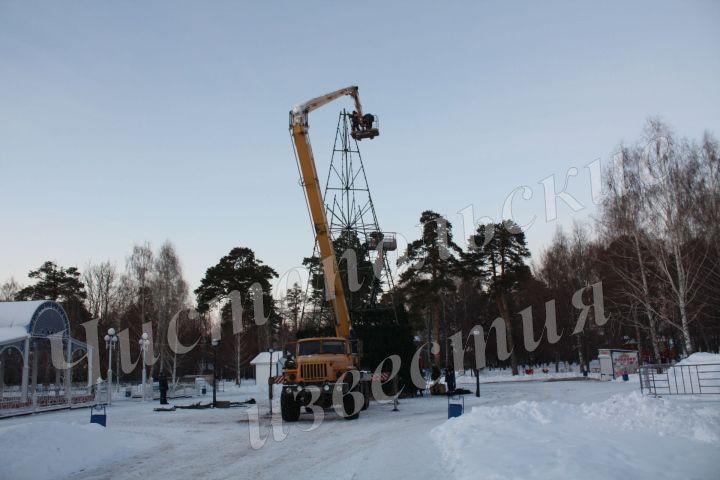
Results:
[700, 358]
[626, 436]
[505, 375]
[695, 375]
[49, 450]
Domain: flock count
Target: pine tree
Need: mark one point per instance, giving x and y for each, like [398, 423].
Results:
[54, 283]
[294, 299]
[61, 285]
[498, 253]
[238, 271]
[365, 293]
[433, 271]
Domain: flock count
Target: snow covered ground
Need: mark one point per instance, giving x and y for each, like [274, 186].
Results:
[626, 435]
[515, 430]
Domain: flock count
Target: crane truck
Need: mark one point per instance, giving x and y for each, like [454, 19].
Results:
[324, 371]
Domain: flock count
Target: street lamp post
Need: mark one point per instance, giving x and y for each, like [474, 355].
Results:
[215, 343]
[110, 342]
[477, 371]
[144, 342]
[270, 382]
[117, 375]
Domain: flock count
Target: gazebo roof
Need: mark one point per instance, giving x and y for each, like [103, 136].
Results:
[12, 334]
[39, 318]
[18, 314]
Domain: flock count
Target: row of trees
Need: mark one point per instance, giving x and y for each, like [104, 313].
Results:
[657, 241]
[144, 297]
[654, 247]
[151, 292]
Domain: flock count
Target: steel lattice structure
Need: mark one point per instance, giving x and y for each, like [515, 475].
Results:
[350, 206]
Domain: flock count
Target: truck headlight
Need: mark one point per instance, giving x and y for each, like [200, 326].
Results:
[326, 387]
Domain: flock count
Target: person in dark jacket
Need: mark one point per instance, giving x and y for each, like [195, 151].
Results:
[163, 383]
[368, 120]
[450, 379]
[355, 119]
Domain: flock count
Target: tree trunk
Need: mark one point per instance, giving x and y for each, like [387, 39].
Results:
[654, 340]
[682, 303]
[581, 355]
[505, 313]
[646, 301]
[237, 359]
[436, 330]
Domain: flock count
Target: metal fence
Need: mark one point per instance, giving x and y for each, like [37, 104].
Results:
[44, 399]
[668, 379]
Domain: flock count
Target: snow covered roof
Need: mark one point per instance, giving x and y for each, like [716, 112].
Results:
[18, 314]
[264, 358]
[12, 334]
[37, 317]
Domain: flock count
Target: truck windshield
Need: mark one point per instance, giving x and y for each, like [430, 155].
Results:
[309, 348]
[333, 346]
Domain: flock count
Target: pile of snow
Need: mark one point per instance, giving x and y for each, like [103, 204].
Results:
[700, 358]
[698, 373]
[48, 450]
[498, 375]
[626, 436]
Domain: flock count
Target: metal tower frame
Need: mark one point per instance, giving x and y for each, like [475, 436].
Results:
[349, 203]
[351, 206]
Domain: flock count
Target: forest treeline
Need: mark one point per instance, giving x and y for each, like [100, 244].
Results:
[654, 246]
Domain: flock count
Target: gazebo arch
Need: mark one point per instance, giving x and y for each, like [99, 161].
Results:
[23, 326]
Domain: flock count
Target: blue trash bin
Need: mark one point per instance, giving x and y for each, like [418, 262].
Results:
[456, 405]
[98, 415]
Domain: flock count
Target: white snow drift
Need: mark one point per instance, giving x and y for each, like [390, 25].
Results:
[625, 436]
[698, 373]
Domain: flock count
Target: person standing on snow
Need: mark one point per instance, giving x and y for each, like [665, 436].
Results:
[163, 383]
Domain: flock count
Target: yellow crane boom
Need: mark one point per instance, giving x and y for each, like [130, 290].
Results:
[311, 183]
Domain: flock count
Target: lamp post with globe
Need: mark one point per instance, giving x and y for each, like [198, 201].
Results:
[144, 342]
[215, 343]
[477, 371]
[270, 379]
[111, 340]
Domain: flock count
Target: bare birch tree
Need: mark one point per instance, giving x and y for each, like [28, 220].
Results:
[170, 293]
[100, 285]
[9, 289]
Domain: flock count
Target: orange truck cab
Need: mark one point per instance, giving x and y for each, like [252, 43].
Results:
[322, 371]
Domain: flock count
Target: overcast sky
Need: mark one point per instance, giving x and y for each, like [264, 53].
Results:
[122, 122]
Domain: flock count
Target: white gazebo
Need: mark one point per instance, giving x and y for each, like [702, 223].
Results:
[266, 366]
[28, 327]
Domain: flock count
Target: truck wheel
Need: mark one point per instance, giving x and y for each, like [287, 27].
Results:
[349, 406]
[366, 396]
[289, 407]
